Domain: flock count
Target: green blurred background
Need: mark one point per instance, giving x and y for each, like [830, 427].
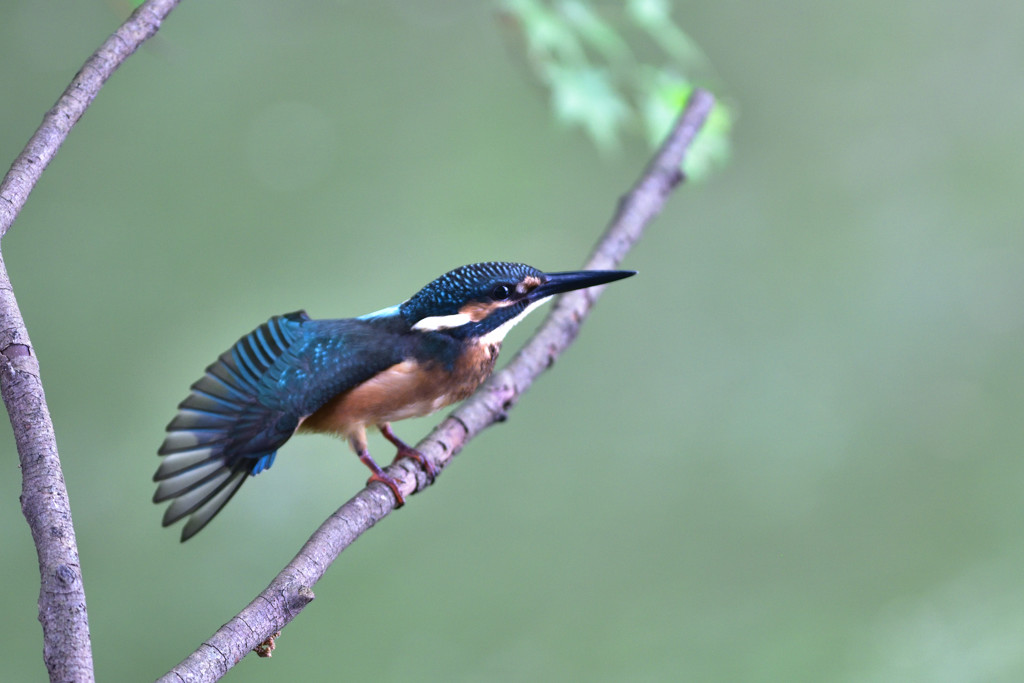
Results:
[789, 451]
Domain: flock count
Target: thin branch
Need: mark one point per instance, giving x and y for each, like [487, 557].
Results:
[43, 146]
[291, 590]
[67, 650]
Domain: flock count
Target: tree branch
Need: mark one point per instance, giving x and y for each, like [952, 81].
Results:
[57, 123]
[291, 590]
[67, 650]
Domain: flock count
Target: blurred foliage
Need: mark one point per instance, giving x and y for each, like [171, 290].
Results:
[624, 68]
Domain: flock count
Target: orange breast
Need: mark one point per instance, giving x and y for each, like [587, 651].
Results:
[406, 389]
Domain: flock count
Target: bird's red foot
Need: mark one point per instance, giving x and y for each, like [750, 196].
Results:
[407, 451]
[414, 454]
[391, 484]
[382, 477]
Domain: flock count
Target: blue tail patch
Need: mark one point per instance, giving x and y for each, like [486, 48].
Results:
[263, 463]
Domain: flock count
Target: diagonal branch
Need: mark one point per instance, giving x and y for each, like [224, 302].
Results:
[67, 650]
[291, 590]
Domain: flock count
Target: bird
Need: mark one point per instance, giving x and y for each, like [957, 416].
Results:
[295, 374]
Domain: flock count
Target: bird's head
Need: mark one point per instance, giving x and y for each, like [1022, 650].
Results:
[484, 300]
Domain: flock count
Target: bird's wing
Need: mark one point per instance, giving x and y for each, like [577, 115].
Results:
[249, 403]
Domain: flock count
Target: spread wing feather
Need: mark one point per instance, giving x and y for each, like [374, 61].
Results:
[249, 403]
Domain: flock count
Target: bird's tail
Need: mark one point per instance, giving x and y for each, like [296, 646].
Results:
[195, 471]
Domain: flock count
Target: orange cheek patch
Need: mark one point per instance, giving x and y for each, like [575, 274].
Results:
[477, 311]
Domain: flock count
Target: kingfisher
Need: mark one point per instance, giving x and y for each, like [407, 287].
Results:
[297, 374]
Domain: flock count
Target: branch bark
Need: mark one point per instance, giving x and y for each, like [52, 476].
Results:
[67, 649]
[291, 590]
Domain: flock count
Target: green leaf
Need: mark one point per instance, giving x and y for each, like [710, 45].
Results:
[595, 32]
[586, 55]
[664, 100]
[586, 97]
[547, 35]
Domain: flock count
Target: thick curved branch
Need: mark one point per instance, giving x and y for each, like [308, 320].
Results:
[42, 147]
[291, 590]
[67, 649]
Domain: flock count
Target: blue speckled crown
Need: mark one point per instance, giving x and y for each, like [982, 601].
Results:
[446, 294]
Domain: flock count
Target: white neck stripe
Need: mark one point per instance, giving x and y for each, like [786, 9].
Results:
[436, 323]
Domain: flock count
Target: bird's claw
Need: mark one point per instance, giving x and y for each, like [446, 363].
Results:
[391, 484]
[413, 454]
[404, 451]
[407, 451]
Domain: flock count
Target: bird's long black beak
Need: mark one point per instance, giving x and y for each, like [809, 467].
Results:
[557, 283]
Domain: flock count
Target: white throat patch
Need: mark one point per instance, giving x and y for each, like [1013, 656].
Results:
[497, 335]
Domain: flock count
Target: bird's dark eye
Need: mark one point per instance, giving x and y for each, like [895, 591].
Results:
[501, 292]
